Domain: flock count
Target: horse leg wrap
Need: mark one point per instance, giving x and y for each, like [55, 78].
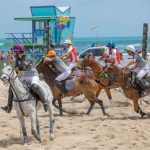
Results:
[25, 137]
[102, 107]
[36, 135]
[141, 113]
[52, 126]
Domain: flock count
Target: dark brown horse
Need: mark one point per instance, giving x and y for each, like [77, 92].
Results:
[84, 83]
[103, 83]
[123, 79]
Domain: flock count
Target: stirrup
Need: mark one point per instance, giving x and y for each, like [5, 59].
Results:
[7, 108]
[143, 94]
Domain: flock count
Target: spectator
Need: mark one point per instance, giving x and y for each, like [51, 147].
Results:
[2, 56]
[10, 57]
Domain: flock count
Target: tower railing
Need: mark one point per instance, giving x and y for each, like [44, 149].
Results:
[19, 37]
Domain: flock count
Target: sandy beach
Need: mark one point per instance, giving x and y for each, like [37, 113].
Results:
[77, 131]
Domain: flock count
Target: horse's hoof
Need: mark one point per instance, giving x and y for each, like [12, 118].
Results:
[39, 140]
[107, 115]
[25, 144]
[51, 136]
[142, 115]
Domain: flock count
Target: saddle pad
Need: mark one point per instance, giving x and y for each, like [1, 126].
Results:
[69, 85]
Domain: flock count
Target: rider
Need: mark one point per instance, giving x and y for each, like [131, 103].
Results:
[114, 54]
[141, 67]
[114, 58]
[72, 53]
[61, 67]
[30, 74]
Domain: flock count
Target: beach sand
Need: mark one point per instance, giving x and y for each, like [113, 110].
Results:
[77, 131]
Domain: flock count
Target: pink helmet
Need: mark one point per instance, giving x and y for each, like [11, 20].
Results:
[18, 48]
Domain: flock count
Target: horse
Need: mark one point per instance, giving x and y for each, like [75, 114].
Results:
[103, 83]
[25, 104]
[123, 78]
[82, 83]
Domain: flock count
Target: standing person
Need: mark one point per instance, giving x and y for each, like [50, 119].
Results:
[2, 56]
[61, 67]
[10, 57]
[30, 74]
[114, 54]
[72, 53]
[141, 68]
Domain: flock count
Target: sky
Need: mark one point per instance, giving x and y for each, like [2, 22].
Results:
[112, 17]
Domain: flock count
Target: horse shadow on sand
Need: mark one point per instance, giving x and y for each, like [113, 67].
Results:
[5, 143]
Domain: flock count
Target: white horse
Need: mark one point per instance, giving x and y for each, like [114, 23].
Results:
[25, 104]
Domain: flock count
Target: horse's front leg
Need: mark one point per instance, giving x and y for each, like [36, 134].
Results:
[90, 108]
[60, 107]
[51, 120]
[33, 118]
[22, 122]
[54, 103]
[109, 95]
[100, 102]
[38, 126]
[137, 107]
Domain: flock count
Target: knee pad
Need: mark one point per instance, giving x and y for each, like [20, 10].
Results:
[35, 87]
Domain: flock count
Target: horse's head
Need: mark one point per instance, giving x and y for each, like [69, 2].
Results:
[8, 73]
[116, 73]
[40, 65]
[47, 70]
[87, 61]
[112, 70]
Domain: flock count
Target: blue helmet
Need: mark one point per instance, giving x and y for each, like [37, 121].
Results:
[111, 44]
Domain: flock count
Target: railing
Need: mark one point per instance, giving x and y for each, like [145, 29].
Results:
[20, 37]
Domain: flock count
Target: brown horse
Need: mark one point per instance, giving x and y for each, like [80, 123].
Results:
[97, 69]
[84, 83]
[122, 77]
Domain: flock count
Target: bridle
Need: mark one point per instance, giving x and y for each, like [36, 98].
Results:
[10, 78]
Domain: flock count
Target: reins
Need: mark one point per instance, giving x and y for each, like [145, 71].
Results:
[19, 101]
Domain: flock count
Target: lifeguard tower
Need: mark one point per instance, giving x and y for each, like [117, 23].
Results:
[56, 19]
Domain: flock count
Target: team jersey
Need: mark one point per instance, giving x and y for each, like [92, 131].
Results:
[59, 64]
[73, 54]
[115, 54]
[140, 62]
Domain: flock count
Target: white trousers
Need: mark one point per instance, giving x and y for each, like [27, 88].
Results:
[63, 76]
[31, 80]
[141, 72]
[72, 65]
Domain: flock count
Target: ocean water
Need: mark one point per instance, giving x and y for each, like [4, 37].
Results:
[82, 44]
[121, 42]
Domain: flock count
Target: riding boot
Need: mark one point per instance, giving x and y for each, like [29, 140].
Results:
[61, 87]
[8, 107]
[141, 84]
[38, 91]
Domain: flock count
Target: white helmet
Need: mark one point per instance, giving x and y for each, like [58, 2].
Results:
[67, 41]
[130, 48]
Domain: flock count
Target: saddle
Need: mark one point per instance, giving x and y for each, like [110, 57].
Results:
[132, 80]
[68, 83]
